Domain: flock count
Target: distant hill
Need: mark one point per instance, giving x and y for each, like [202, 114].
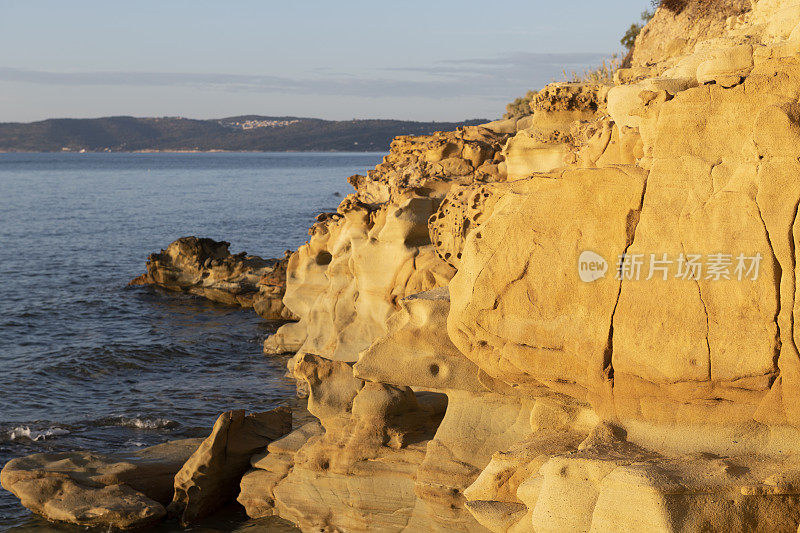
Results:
[244, 133]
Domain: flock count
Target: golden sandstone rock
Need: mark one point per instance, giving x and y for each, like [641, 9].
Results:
[211, 476]
[186, 479]
[580, 320]
[92, 489]
[609, 307]
[346, 281]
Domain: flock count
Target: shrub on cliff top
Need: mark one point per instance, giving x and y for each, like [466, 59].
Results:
[629, 39]
[676, 6]
[603, 73]
[520, 107]
[702, 8]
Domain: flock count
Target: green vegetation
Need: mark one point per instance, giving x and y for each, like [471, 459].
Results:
[127, 134]
[603, 73]
[520, 107]
[629, 39]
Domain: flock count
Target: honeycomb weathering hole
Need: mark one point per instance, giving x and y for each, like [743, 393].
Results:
[324, 258]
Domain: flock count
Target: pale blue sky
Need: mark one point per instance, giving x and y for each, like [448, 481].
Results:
[415, 60]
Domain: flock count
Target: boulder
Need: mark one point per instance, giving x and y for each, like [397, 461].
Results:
[99, 490]
[210, 477]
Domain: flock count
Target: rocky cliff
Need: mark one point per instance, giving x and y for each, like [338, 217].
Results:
[583, 320]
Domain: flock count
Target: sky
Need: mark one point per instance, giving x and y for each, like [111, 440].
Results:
[443, 60]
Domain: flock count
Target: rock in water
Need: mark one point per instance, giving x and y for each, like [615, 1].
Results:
[192, 477]
[99, 490]
[211, 476]
[206, 268]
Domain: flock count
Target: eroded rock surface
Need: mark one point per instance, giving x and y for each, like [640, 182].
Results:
[93, 489]
[581, 320]
[186, 479]
[376, 249]
[206, 268]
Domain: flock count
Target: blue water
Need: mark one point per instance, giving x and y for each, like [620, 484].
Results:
[87, 362]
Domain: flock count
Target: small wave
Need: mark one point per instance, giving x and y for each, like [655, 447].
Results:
[26, 433]
[138, 422]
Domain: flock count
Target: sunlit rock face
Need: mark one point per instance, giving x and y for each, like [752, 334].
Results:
[376, 249]
[600, 336]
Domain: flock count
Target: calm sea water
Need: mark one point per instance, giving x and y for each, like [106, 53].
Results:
[87, 362]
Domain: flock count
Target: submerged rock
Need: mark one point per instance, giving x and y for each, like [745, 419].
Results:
[191, 478]
[91, 489]
[581, 320]
[206, 268]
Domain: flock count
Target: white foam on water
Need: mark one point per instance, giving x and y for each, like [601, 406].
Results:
[20, 433]
[140, 422]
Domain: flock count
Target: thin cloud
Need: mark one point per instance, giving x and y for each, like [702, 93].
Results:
[478, 77]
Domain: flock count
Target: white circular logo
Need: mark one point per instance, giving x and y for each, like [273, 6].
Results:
[591, 266]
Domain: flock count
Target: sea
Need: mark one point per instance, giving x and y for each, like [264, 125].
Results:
[87, 362]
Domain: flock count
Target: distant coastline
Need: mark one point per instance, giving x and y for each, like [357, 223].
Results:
[195, 152]
[250, 133]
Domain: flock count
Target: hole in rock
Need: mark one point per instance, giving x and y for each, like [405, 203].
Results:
[324, 258]
[433, 407]
[417, 240]
[434, 369]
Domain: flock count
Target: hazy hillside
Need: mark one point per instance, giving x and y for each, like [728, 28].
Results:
[251, 132]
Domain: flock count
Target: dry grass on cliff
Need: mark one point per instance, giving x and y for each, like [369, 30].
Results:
[603, 73]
